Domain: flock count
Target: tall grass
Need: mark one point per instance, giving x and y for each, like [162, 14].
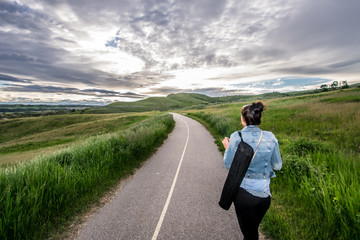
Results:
[319, 188]
[316, 195]
[39, 195]
[32, 132]
[21, 139]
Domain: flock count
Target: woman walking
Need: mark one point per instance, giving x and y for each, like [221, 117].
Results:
[254, 197]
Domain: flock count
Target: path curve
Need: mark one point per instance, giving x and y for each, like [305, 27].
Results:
[173, 196]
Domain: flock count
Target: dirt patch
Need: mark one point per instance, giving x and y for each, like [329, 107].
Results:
[263, 237]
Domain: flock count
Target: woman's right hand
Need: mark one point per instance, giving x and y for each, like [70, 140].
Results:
[225, 142]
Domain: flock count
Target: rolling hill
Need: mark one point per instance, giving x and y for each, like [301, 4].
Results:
[172, 101]
[185, 100]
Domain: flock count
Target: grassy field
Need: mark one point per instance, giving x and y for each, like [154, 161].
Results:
[9, 111]
[42, 195]
[23, 138]
[316, 194]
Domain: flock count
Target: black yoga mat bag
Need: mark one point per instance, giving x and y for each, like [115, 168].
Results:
[243, 156]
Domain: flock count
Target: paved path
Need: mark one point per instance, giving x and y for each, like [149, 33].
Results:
[173, 196]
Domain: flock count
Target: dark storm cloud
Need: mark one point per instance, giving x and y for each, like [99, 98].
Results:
[212, 92]
[30, 50]
[11, 12]
[137, 79]
[28, 35]
[323, 33]
[155, 17]
[75, 91]
[350, 65]
[218, 92]
[305, 70]
[8, 78]
[343, 64]
[16, 57]
[322, 24]
[33, 51]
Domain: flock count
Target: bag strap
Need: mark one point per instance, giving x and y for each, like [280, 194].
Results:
[258, 144]
[239, 132]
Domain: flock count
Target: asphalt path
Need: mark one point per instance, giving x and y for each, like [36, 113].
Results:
[174, 195]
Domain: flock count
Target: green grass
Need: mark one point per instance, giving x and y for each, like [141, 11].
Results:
[34, 145]
[316, 194]
[31, 134]
[38, 196]
[14, 129]
[354, 96]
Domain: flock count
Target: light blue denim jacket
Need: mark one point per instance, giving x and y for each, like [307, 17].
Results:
[266, 160]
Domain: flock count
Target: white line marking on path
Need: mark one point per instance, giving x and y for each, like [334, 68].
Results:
[162, 216]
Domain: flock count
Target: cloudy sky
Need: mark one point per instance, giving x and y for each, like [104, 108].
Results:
[91, 51]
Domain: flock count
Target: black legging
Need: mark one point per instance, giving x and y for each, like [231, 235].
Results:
[250, 210]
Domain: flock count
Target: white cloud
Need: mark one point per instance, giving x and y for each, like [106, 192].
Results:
[278, 82]
[140, 45]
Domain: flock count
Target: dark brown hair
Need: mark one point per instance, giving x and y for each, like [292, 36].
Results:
[252, 113]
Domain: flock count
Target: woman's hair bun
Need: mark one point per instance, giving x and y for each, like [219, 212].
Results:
[252, 113]
[257, 107]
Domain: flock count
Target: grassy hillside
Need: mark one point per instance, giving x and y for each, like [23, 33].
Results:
[174, 101]
[184, 100]
[316, 194]
[23, 138]
[39, 197]
[8, 111]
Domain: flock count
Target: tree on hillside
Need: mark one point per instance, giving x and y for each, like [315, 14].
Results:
[344, 84]
[324, 87]
[334, 85]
